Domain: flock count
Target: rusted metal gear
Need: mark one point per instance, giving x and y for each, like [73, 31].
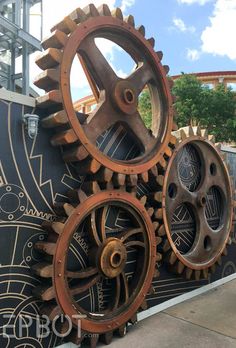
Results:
[117, 97]
[194, 206]
[123, 256]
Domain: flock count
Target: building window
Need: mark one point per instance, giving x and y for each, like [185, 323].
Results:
[208, 85]
[232, 86]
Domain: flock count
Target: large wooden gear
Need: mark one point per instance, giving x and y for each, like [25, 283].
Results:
[110, 252]
[117, 98]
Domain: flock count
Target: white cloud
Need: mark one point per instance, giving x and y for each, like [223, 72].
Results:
[125, 4]
[179, 23]
[190, 2]
[219, 37]
[193, 54]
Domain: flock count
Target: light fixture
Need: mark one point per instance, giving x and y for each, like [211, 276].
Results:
[31, 124]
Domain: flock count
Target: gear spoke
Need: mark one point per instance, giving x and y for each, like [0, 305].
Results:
[125, 286]
[140, 77]
[127, 234]
[79, 289]
[96, 63]
[135, 244]
[85, 273]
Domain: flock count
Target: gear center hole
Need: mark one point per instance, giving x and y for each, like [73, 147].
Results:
[116, 259]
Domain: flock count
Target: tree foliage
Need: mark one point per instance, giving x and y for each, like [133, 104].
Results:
[197, 104]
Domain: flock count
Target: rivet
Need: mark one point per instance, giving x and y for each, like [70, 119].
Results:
[59, 261]
[59, 275]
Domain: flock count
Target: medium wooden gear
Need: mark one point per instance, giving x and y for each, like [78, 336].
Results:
[117, 98]
[108, 260]
[194, 206]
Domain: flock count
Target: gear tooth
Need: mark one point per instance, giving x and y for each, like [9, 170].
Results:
[51, 311]
[218, 146]
[117, 13]
[75, 155]
[211, 138]
[144, 305]
[204, 133]
[155, 225]
[188, 273]
[48, 80]
[91, 11]
[159, 257]
[153, 171]
[69, 209]
[104, 175]
[159, 55]
[219, 261]
[64, 138]
[57, 227]
[143, 199]
[132, 180]
[58, 119]
[50, 99]
[180, 267]
[88, 166]
[81, 195]
[162, 162]
[205, 273]
[130, 20]
[144, 177]
[73, 337]
[158, 197]
[229, 241]
[151, 41]
[183, 135]
[150, 211]
[160, 180]
[43, 269]
[166, 246]
[107, 337]
[48, 59]
[158, 240]
[134, 319]
[198, 131]
[151, 290]
[168, 151]
[223, 156]
[78, 16]
[197, 275]
[104, 10]
[46, 247]
[158, 214]
[94, 341]
[122, 331]
[142, 30]
[172, 258]
[166, 68]
[119, 179]
[173, 139]
[187, 131]
[156, 273]
[44, 292]
[67, 25]
[90, 187]
[57, 39]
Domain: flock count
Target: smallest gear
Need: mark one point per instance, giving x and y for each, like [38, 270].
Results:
[195, 205]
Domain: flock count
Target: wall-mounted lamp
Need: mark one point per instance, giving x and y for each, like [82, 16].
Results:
[31, 124]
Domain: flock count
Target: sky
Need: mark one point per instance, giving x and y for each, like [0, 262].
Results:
[194, 35]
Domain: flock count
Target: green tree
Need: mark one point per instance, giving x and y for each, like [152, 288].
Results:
[145, 108]
[197, 104]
